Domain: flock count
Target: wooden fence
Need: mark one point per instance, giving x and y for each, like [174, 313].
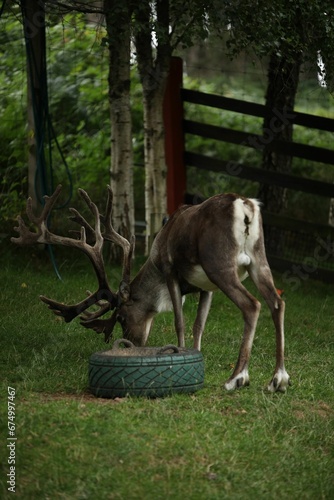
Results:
[307, 249]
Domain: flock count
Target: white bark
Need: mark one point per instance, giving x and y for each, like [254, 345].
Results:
[121, 170]
[155, 165]
[153, 66]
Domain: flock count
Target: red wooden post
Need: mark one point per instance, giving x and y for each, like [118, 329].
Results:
[174, 137]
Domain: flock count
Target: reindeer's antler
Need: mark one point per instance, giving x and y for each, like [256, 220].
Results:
[127, 246]
[104, 297]
[28, 237]
[105, 326]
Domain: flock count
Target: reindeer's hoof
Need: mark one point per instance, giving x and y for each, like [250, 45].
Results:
[279, 382]
[240, 380]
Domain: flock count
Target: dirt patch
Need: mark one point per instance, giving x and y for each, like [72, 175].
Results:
[80, 398]
[319, 408]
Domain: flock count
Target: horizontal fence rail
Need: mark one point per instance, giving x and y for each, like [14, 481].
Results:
[254, 109]
[259, 175]
[255, 141]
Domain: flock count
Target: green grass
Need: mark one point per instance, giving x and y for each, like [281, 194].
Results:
[248, 444]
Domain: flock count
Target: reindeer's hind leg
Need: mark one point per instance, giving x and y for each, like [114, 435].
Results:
[262, 277]
[229, 283]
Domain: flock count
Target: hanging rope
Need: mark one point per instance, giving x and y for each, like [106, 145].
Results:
[44, 130]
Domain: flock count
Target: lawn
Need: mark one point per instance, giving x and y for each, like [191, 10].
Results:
[247, 444]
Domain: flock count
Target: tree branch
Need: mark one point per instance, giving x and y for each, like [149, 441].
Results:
[182, 35]
[75, 5]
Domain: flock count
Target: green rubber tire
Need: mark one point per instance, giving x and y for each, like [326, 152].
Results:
[153, 375]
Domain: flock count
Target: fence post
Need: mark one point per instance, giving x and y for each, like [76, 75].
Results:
[174, 137]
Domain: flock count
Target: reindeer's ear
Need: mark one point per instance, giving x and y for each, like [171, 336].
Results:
[124, 292]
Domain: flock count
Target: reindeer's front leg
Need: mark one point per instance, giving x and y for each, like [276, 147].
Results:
[205, 299]
[176, 297]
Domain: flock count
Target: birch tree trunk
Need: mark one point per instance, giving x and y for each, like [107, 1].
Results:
[155, 164]
[118, 20]
[153, 66]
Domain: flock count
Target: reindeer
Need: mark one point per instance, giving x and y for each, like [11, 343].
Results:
[202, 248]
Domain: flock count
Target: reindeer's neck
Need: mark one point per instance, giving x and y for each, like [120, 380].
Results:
[149, 287]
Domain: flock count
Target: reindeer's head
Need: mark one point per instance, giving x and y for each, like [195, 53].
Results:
[135, 321]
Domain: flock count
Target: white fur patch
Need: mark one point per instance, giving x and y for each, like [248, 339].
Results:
[163, 300]
[232, 384]
[243, 259]
[280, 381]
[197, 277]
[246, 230]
